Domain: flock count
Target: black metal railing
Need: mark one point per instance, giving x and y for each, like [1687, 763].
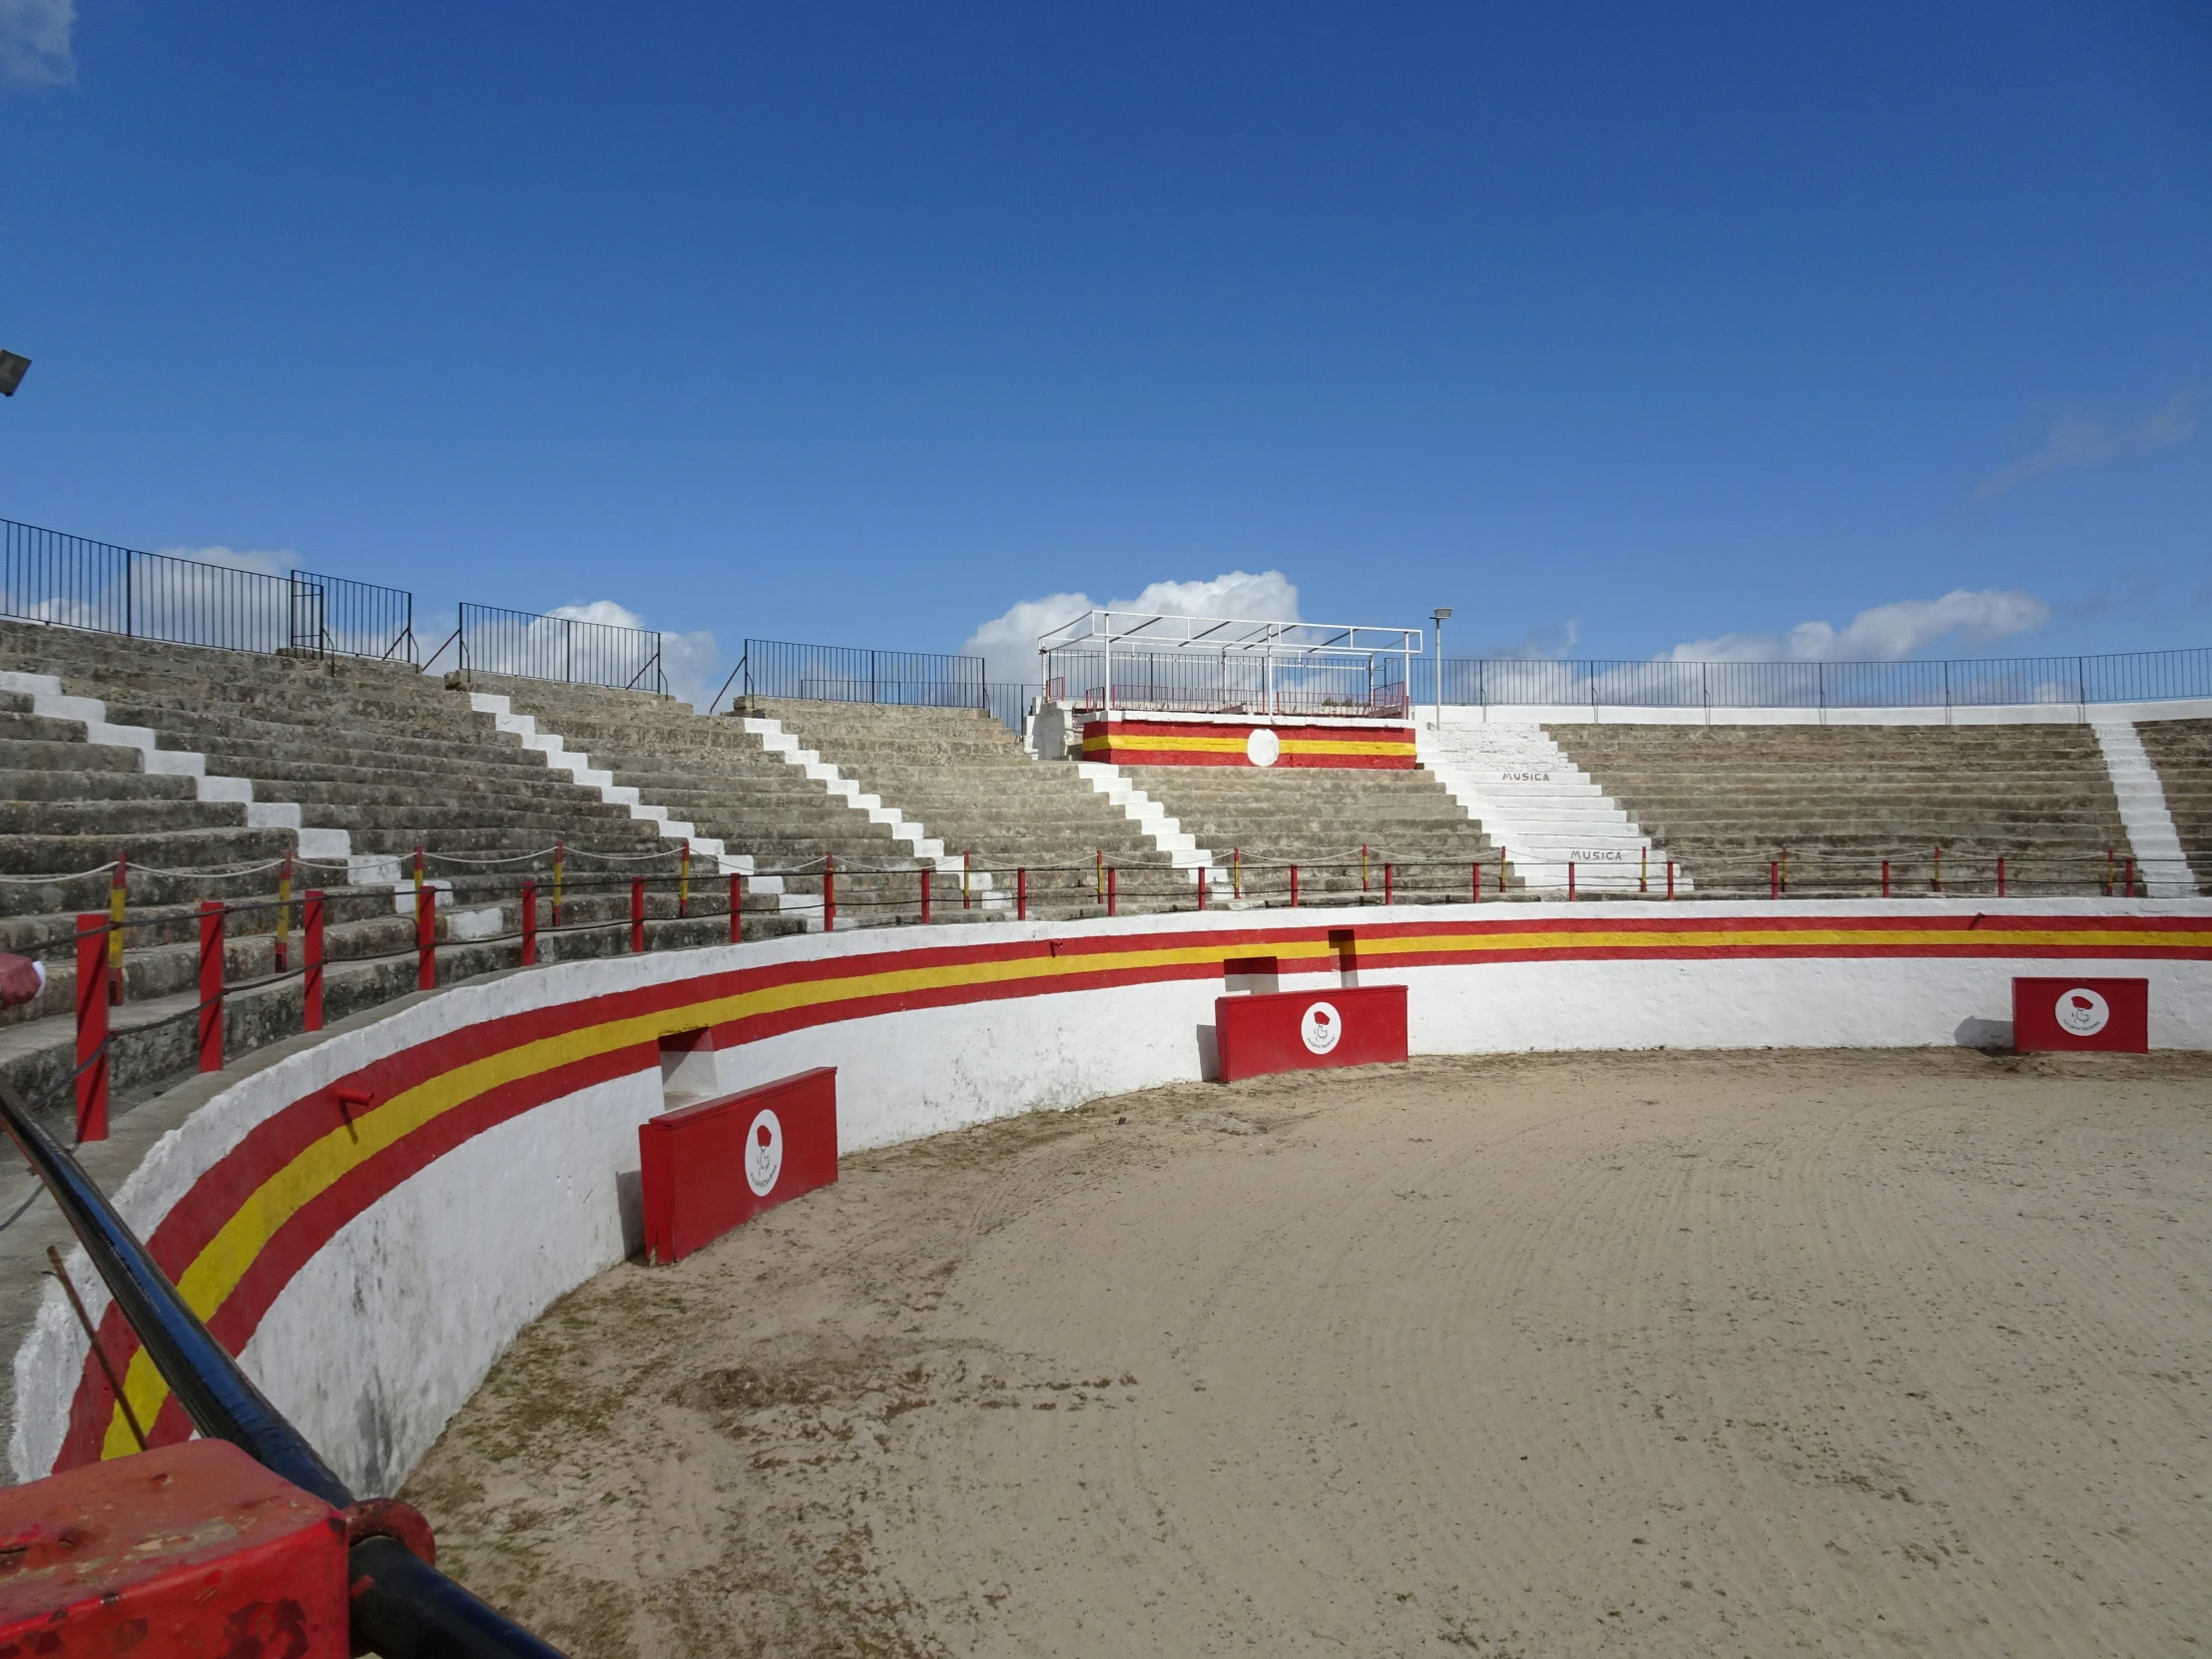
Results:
[1197, 682]
[2129, 676]
[71, 581]
[856, 674]
[338, 616]
[534, 647]
[401, 1607]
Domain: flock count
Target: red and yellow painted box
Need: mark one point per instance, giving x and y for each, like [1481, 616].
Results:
[1360, 1026]
[1183, 743]
[186, 1550]
[707, 1168]
[2060, 1016]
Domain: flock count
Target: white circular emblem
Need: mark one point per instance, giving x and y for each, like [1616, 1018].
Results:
[2082, 1013]
[1320, 1027]
[1262, 747]
[763, 1153]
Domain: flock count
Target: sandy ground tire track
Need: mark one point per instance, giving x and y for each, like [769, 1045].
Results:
[1881, 1353]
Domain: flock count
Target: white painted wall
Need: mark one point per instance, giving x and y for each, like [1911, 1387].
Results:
[376, 1345]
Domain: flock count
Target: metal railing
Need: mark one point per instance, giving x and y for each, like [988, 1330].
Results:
[856, 674]
[1197, 682]
[69, 581]
[2128, 677]
[533, 647]
[338, 616]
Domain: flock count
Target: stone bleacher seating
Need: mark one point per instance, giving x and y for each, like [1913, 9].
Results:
[1319, 818]
[966, 779]
[392, 758]
[714, 774]
[1726, 800]
[2181, 750]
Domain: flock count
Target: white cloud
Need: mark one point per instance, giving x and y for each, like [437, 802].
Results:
[688, 660]
[1008, 642]
[1887, 633]
[2076, 439]
[34, 43]
[279, 562]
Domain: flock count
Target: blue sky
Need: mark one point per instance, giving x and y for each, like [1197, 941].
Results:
[1624, 330]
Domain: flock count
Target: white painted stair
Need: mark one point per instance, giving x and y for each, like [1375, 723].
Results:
[1150, 816]
[928, 850]
[2143, 809]
[1540, 808]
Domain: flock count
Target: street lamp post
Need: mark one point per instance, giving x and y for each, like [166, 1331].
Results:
[1438, 616]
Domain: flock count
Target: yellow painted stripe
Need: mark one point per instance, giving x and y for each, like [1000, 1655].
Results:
[216, 1272]
[1236, 746]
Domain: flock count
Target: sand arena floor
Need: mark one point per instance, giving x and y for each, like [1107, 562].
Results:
[1670, 1354]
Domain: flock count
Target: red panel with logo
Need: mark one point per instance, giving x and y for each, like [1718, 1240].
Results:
[707, 1168]
[186, 1549]
[2058, 1017]
[1308, 1030]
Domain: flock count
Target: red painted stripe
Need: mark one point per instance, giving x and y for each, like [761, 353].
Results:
[194, 1220]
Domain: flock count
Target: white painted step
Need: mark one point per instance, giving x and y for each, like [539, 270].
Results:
[2143, 812]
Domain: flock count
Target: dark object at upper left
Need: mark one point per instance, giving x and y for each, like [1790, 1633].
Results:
[12, 366]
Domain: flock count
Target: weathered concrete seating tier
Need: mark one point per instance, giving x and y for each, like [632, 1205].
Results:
[717, 776]
[2181, 750]
[966, 779]
[378, 750]
[1725, 801]
[1318, 819]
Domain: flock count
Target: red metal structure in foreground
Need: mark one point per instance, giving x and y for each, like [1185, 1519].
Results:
[188, 1549]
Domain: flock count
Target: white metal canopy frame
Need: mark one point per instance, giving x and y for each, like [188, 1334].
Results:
[1112, 661]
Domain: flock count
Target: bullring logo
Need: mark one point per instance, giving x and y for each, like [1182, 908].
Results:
[1320, 1027]
[2082, 1012]
[1262, 747]
[763, 1153]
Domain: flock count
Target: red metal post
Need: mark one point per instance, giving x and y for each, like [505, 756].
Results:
[829, 893]
[737, 906]
[1643, 871]
[1113, 891]
[637, 916]
[1362, 866]
[1670, 878]
[2001, 879]
[310, 947]
[211, 984]
[1570, 880]
[682, 884]
[1202, 887]
[1022, 895]
[427, 938]
[966, 860]
[1294, 886]
[119, 898]
[92, 1026]
[925, 873]
[1389, 883]
[529, 922]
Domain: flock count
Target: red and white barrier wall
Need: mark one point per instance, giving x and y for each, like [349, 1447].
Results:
[371, 1262]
